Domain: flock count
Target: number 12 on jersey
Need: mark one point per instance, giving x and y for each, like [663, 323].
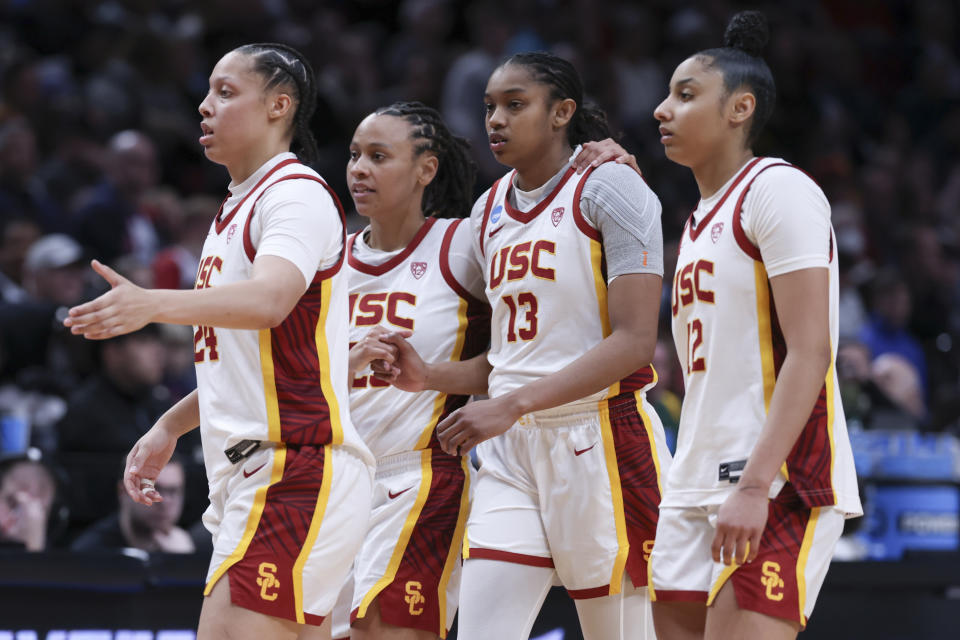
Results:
[694, 342]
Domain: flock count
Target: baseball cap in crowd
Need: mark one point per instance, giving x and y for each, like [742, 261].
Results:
[53, 251]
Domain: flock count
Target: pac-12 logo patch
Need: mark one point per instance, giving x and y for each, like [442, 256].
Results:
[715, 232]
[495, 214]
[418, 269]
[232, 231]
[556, 216]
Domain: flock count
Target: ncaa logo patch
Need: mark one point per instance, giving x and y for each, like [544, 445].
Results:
[715, 232]
[418, 269]
[556, 216]
[495, 214]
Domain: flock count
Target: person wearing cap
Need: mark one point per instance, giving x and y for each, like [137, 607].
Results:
[53, 270]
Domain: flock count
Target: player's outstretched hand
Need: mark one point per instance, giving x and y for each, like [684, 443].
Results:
[145, 461]
[593, 154]
[408, 372]
[123, 309]
[740, 523]
[473, 423]
[371, 347]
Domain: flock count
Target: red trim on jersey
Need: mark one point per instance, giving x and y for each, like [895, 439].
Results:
[486, 212]
[221, 224]
[664, 595]
[582, 224]
[584, 594]
[695, 232]
[509, 556]
[458, 288]
[520, 216]
[638, 380]
[738, 232]
[251, 251]
[379, 270]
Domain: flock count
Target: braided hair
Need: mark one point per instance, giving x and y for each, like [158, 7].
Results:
[283, 66]
[741, 65]
[589, 122]
[450, 193]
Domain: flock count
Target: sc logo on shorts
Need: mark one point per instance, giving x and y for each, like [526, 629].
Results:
[268, 580]
[414, 597]
[771, 580]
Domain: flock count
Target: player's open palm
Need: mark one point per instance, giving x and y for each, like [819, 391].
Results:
[145, 461]
[473, 423]
[123, 309]
[740, 523]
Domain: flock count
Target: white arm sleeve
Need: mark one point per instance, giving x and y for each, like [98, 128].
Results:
[297, 220]
[787, 216]
[463, 256]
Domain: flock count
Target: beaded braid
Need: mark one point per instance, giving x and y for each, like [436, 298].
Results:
[282, 65]
[450, 193]
[589, 122]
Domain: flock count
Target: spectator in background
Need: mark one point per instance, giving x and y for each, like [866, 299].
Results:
[110, 221]
[176, 266]
[28, 491]
[20, 189]
[886, 330]
[17, 234]
[148, 528]
[110, 411]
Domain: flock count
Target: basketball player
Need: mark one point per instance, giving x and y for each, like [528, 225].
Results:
[763, 475]
[290, 479]
[571, 451]
[414, 270]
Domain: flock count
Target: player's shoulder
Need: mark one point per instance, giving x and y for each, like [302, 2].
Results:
[777, 173]
[612, 177]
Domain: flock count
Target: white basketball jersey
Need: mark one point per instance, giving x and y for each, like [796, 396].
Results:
[286, 384]
[413, 290]
[546, 286]
[731, 349]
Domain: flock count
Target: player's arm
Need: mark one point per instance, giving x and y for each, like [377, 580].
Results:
[153, 450]
[261, 302]
[801, 298]
[410, 373]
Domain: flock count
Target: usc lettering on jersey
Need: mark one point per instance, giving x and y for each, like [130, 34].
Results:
[731, 348]
[547, 286]
[413, 290]
[286, 384]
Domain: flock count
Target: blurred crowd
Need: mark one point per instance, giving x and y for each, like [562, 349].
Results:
[99, 159]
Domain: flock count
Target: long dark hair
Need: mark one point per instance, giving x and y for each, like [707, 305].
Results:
[450, 193]
[740, 62]
[589, 122]
[283, 66]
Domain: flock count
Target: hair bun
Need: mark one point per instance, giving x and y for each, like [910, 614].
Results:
[748, 32]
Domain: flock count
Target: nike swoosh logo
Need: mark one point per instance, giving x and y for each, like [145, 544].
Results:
[578, 452]
[247, 474]
[495, 231]
[392, 495]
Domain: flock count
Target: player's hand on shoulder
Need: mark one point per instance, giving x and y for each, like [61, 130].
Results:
[473, 423]
[740, 523]
[593, 154]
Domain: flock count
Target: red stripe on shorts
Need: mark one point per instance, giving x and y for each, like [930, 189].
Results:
[412, 600]
[638, 481]
[509, 556]
[262, 580]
